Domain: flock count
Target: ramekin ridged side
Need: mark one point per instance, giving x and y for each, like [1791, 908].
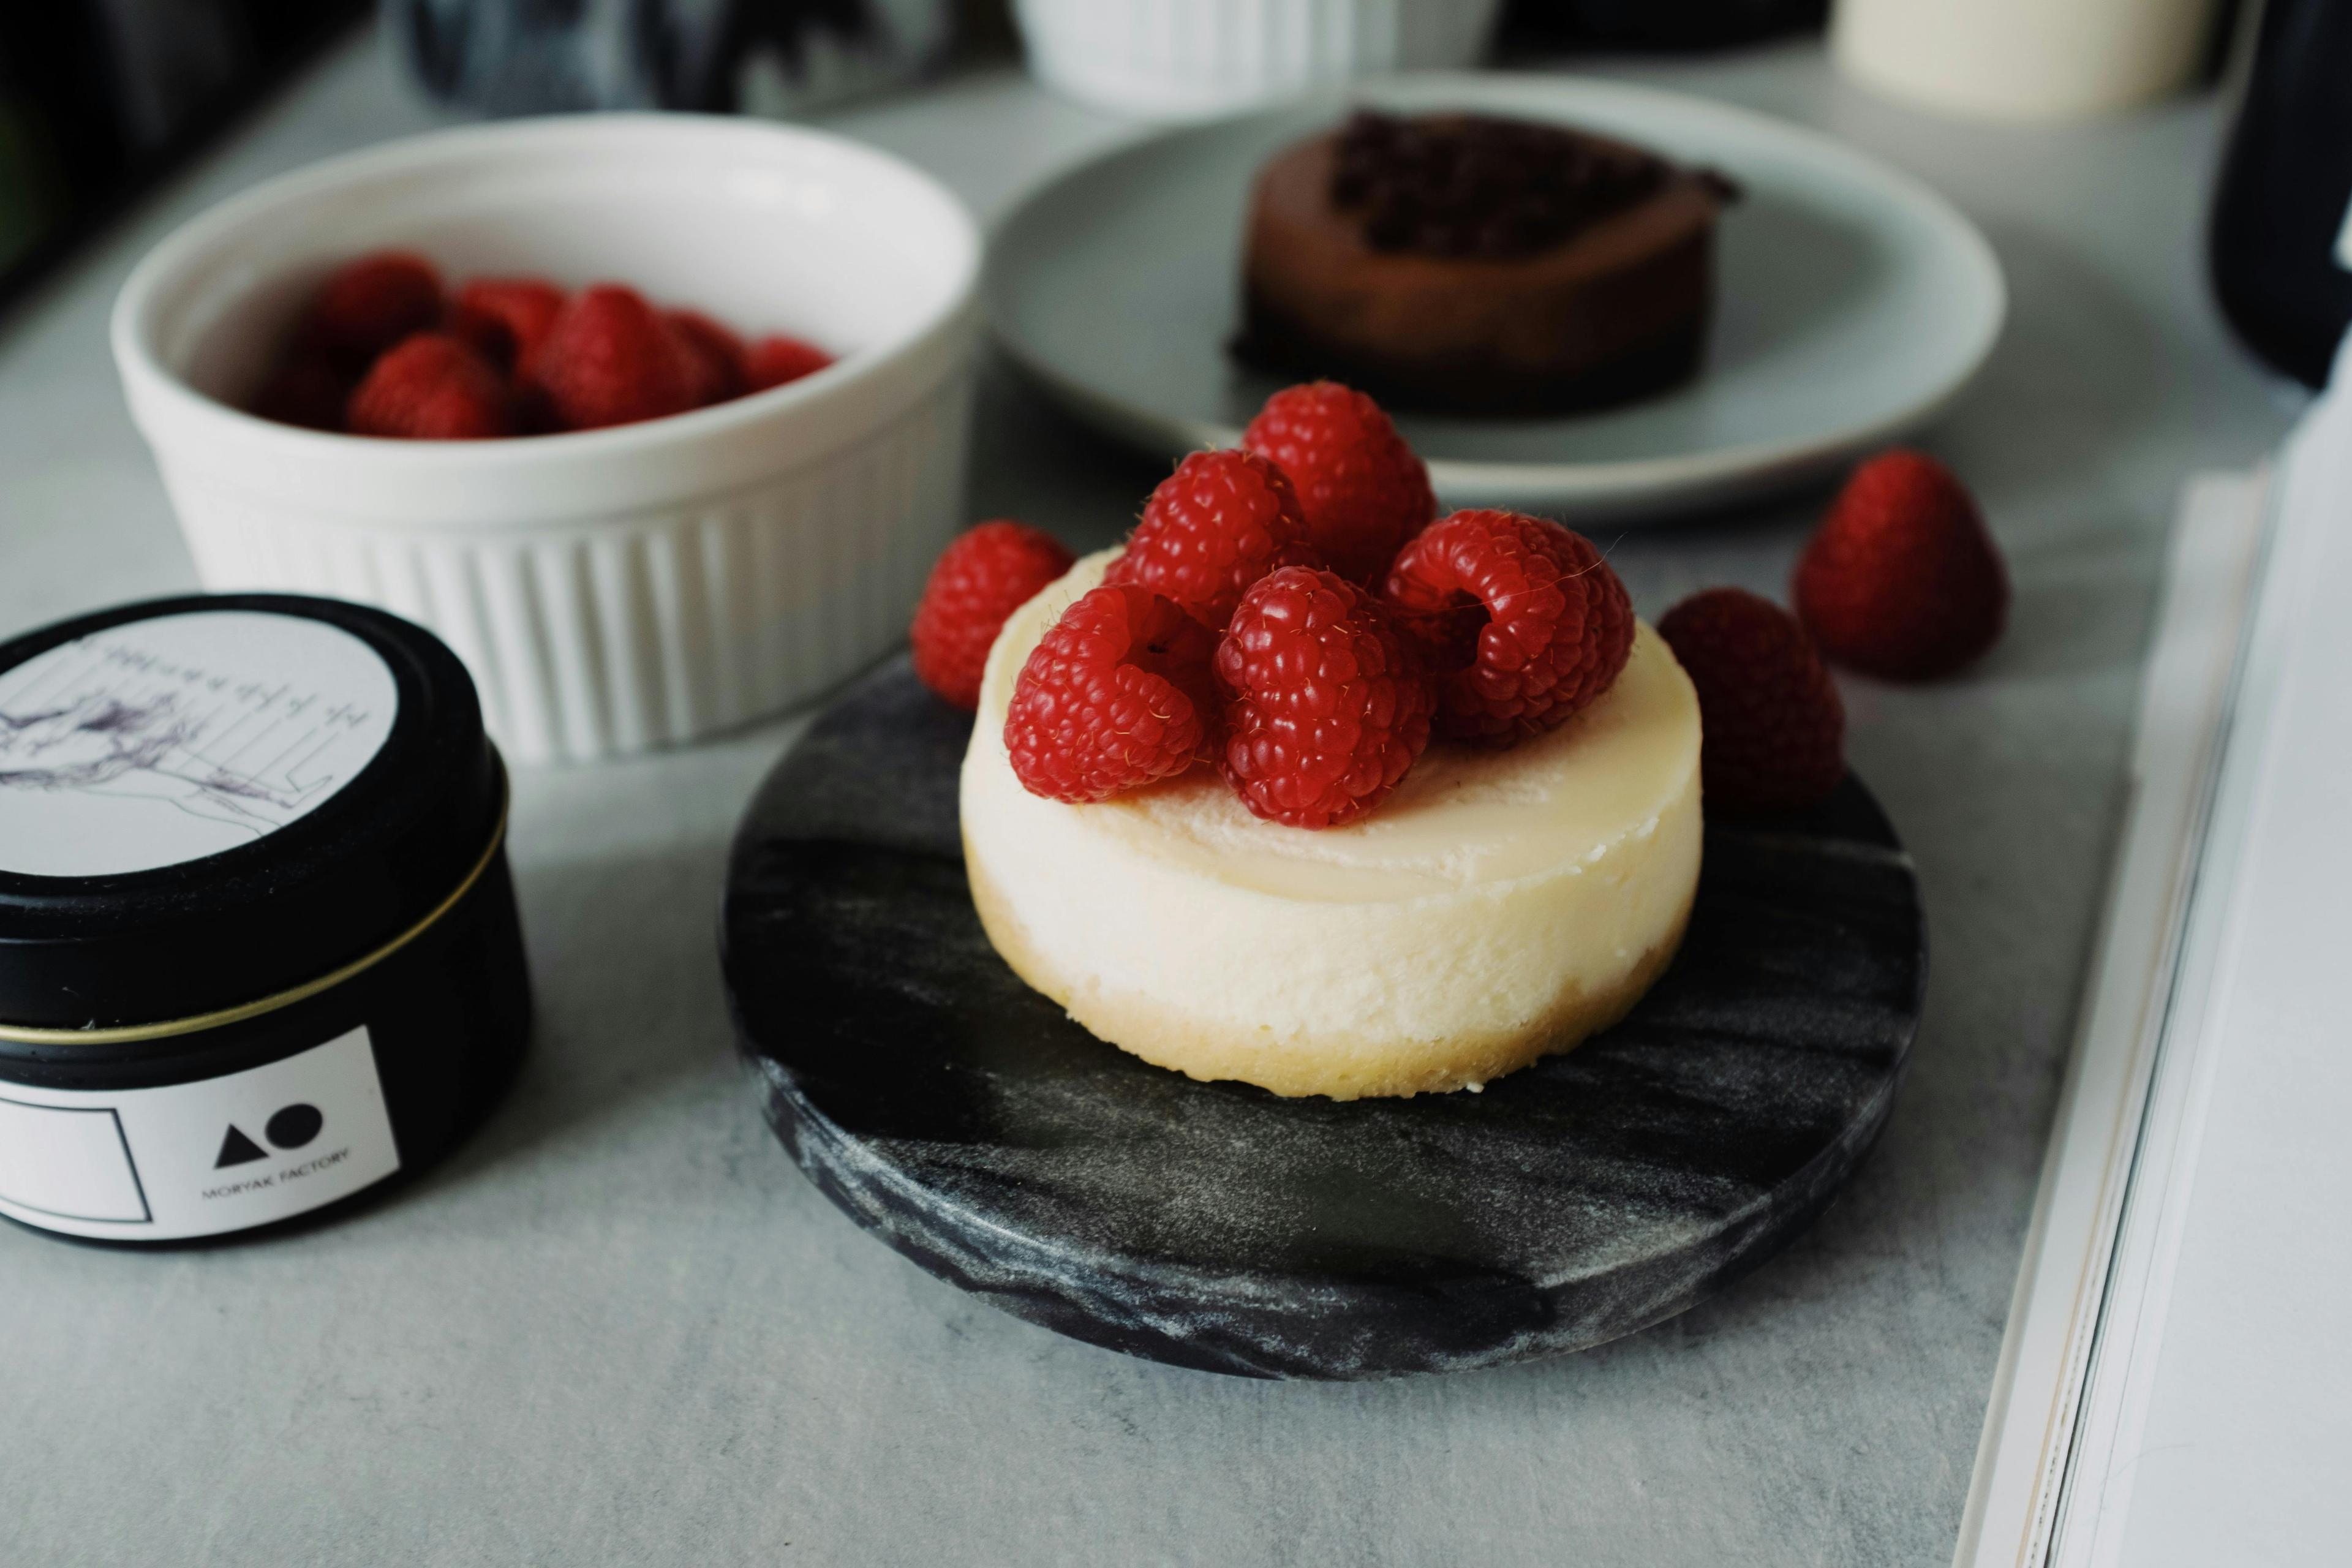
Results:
[610, 637]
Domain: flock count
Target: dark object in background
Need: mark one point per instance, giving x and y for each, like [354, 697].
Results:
[2281, 241]
[99, 98]
[1656, 24]
[759, 56]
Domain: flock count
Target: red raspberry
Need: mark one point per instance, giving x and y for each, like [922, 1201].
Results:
[1114, 695]
[506, 318]
[1361, 489]
[773, 360]
[609, 359]
[978, 581]
[1901, 580]
[1330, 707]
[1217, 524]
[1521, 619]
[718, 356]
[433, 387]
[307, 390]
[1772, 722]
[367, 306]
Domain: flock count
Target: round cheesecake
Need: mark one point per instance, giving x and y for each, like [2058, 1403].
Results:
[1459, 264]
[1498, 907]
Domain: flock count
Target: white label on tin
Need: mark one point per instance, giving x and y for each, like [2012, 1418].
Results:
[157, 742]
[197, 1158]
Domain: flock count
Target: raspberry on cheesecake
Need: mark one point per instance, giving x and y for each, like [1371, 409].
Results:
[1497, 905]
[1344, 904]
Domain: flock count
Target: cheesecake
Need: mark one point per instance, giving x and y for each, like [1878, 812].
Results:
[1500, 906]
[1469, 264]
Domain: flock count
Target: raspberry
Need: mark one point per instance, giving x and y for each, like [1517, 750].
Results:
[1330, 707]
[1114, 695]
[1522, 621]
[367, 306]
[978, 581]
[506, 318]
[1217, 524]
[1901, 580]
[1363, 490]
[610, 360]
[1772, 722]
[773, 360]
[433, 387]
[307, 390]
[718, 356]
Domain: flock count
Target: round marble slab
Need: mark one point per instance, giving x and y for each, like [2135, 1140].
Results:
[967, 1122]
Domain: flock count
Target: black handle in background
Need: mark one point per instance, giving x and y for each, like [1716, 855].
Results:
[2281, 209]
[99, 101]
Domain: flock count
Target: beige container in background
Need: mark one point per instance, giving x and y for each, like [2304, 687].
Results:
[2022, 60]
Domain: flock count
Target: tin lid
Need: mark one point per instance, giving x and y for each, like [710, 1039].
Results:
[206, 801]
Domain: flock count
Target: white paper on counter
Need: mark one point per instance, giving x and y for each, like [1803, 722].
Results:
[2174, 1387]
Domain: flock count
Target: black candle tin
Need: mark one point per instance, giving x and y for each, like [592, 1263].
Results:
[258, 946]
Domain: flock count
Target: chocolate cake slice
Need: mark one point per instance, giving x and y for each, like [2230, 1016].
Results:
[1462, 263]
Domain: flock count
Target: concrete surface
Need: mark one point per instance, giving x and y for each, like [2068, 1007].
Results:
[621, 1328]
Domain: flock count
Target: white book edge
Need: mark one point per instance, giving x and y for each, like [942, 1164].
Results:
[2259, 977]
[2058, 1315]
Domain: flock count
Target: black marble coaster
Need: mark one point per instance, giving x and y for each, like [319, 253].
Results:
[966, 1121]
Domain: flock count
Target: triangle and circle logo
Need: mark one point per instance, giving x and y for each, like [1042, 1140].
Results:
[292, 1127]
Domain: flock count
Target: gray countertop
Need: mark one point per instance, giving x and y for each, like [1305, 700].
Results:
[620, 1327]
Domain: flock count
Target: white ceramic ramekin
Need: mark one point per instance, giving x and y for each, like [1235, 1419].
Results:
[1188, 59]
[611, 590]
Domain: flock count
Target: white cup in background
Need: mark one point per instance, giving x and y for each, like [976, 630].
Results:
[2022, 60]
[1186, 59]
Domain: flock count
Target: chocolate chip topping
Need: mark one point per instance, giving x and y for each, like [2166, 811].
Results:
[1474, 186]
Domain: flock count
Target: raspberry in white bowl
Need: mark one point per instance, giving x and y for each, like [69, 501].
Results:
[616, 588]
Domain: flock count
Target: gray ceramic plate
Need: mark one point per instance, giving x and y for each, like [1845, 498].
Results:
[1854, 304]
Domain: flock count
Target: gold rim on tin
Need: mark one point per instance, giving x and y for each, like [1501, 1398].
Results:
[126, 1033]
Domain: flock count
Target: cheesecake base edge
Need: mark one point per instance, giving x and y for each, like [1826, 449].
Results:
[1340, 1069]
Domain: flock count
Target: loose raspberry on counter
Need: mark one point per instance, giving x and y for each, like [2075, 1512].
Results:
[1217, 524]
[1773, 729]
[506, 318]
[717, 355]
[979, 580]
[367, 306]
[1522, 620]
[1328, 706]
[1361, 489]
[1901, 580]
[610, 359]
[433, 387]
[1116, 695]
[775, 360]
